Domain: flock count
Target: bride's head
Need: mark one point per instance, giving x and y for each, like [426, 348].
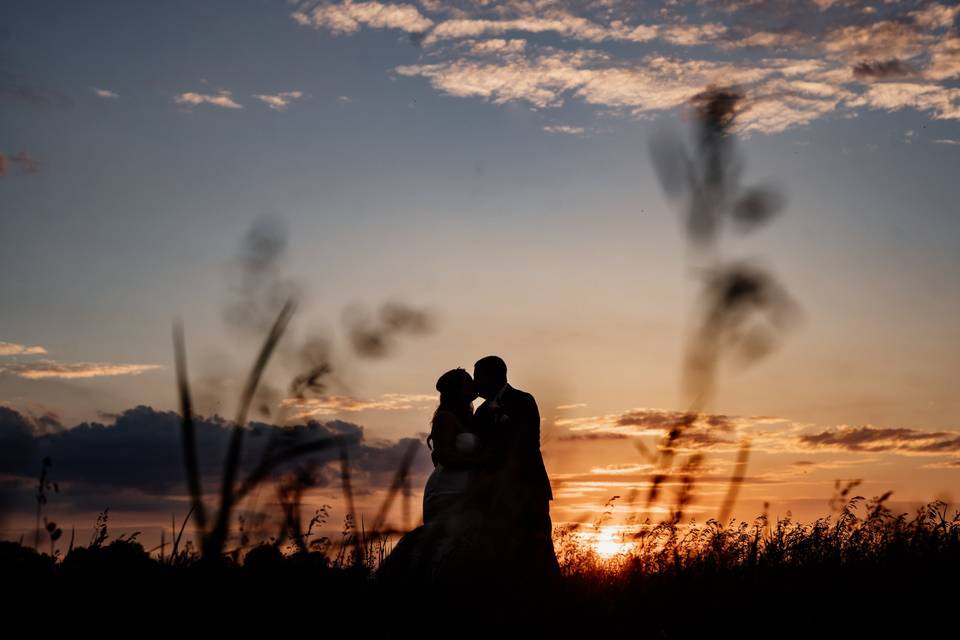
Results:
[457, 393]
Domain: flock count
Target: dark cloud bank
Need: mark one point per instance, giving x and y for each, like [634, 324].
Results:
[137, 463]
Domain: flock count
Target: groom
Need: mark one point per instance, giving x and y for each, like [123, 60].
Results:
[508, 426]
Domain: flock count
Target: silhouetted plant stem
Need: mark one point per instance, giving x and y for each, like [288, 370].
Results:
[176, 540]
[348, 495]
[269, 463]
[217, 538]
[739, 473]
[187, 431]
[398, 480]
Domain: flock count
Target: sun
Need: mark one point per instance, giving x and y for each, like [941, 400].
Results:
[609, 542]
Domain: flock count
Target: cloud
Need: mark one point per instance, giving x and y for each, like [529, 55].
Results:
[947, 464]
[565, 129]
[823, 5]
[889, 38]
[808, 466]
[628, 477]
[794, 76]
[773, 40]
[871, 439]
[279, 101]
[141, 451]
[691, 35]
[27, 164]
[657, 83]
[563, 24]
[13, 349]
[892, 68]
[348, 17]
[540, 82]
[622, 469]
[944, 60]
[331, 405]
[947, 141]
[105, 93]
[667, 420]
[893, 96]
[223, 99]
[936, 16]
[38, 369]
[697, 431]
[770, 434]
[43, 369]
[497, 46]
[592, 437]
[779, 112]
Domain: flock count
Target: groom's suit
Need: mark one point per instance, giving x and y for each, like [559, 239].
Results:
[508, 426]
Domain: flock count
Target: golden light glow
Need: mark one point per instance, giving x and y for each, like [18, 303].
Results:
[610, 542]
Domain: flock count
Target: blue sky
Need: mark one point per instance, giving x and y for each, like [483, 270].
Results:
[487, 161]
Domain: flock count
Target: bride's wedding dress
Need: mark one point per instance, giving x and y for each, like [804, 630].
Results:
[446, 484]
[420, 554]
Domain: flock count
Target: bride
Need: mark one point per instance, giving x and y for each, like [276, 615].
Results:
[452, 447]
[450, 510]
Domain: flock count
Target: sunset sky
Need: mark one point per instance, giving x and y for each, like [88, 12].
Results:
[486, 163]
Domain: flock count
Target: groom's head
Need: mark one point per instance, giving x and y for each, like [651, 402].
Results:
[489, 374]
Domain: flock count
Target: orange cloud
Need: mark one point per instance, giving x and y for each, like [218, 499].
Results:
[722, 433]
[279, 101]
[13, 349]
[331, 405]
[349, 17]
[223, 99]
[43, 369]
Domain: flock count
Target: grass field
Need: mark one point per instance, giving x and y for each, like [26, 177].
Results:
[860, 570]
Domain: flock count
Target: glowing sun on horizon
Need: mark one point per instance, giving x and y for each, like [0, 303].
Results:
[609, 542]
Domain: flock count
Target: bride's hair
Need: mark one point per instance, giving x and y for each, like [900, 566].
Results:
[452, 399]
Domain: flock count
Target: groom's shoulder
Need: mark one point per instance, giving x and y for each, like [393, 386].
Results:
[519, 395]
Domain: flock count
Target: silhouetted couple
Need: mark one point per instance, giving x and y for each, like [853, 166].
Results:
[486, 506]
